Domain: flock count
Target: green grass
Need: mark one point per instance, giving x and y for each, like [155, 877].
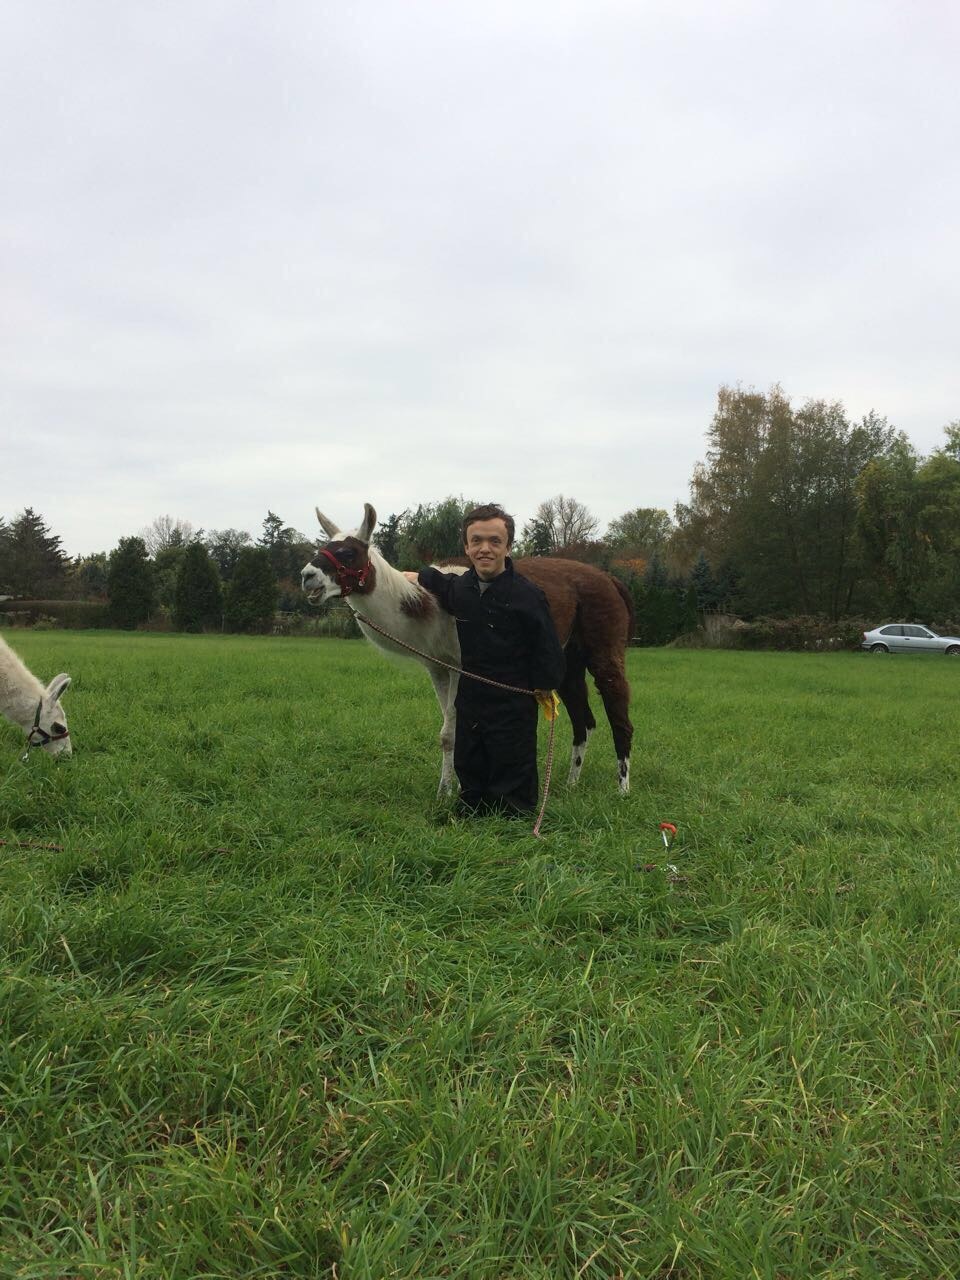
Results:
[268, 1012]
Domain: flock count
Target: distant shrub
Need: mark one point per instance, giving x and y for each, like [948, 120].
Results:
[339, 624]
[800, 634]
[159, 621]
[76, 615]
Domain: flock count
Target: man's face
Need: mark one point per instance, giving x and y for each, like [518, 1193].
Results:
[487, 547]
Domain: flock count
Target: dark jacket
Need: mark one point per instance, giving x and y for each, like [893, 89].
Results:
[506, 632]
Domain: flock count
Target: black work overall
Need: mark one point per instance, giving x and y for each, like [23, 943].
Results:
[506, 634]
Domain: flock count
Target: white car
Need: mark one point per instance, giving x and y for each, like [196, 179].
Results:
[909, 637]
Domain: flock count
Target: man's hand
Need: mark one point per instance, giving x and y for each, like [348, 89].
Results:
[410, 575]
[549, 702]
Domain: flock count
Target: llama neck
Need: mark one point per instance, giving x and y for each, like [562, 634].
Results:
[390, 589]
[20, 690]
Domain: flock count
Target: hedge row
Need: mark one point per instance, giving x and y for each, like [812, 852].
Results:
[78, 615]
[81, 615]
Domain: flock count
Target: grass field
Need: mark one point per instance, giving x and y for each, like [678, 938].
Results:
[268, 1012]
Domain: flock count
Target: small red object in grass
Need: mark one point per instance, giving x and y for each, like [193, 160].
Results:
[664, 828]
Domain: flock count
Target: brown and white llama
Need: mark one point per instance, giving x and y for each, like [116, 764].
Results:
[37, 710]
[591, 610]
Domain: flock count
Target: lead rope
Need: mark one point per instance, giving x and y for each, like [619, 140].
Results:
[510, 688]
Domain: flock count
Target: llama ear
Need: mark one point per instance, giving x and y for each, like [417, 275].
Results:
[57, 687]
[328, 527]
[369, 520]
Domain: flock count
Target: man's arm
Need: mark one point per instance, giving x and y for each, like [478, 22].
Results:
[438, 584]
[547, 663]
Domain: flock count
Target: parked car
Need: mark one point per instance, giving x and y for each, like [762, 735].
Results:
[909, 637]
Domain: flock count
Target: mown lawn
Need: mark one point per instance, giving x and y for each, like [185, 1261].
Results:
[268, 1012]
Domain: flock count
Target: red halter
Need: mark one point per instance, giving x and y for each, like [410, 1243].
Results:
[348, 580]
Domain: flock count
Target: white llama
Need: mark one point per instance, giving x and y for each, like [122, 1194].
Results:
[403, 608]
[37, 710]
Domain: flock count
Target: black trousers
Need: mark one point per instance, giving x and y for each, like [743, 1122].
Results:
[495, 757]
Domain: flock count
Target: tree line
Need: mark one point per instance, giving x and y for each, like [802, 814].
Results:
[201, 581]
[795, 510]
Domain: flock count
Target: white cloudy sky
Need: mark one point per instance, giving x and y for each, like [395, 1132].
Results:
[271, 254]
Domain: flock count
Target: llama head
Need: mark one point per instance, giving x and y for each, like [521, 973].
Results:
[342, 564]
[50, 731]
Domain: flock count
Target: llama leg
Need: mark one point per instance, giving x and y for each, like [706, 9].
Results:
[611, 682]
[445, 687]
[573, 695]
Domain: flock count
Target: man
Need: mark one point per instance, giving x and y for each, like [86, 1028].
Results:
[506, 634]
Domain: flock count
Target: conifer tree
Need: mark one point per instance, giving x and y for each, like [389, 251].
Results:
[705, 584]
[198, 598]
[131, 589]
[35, 563]
[251, 596]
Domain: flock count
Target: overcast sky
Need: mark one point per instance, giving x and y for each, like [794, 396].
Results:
[270, 255]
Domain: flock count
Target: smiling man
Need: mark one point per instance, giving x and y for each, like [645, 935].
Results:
[506, 634]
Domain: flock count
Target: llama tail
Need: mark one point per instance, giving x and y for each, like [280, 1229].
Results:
[627, 599]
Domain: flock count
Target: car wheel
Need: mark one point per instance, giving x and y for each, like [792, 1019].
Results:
[953, 651]
[879, 648]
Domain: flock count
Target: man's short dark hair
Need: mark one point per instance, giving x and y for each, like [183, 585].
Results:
[489, 511]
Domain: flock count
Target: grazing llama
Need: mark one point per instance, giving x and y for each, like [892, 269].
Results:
[591, 610]
[37, 710]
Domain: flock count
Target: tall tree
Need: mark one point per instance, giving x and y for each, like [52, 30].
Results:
[952, 447]
[224, 546]
[536, 538]
[35, 563]
[89, 575]
[4, 557]
[639, 532]
[198, 601]
[777, 498]
[909, 527]
[287, 549]
[164, 532]
[251, 595]
[433, 531]
[387, 535]
[938, 483]
[888, 526]
[562, 522]
[166, 564]
[131, 588]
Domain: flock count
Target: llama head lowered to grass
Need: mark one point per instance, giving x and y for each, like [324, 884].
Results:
[35, 708]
